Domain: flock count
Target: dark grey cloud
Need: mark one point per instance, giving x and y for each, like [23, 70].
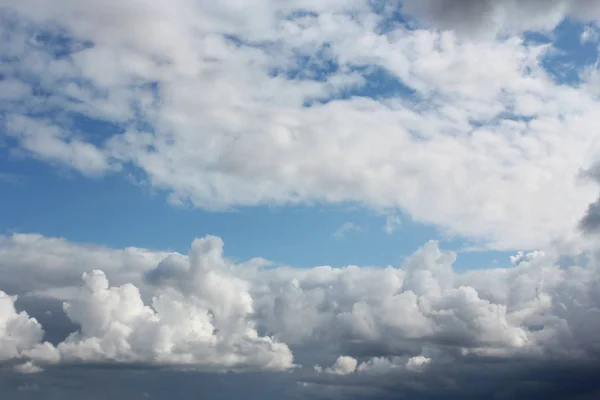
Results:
[492, 380]
[489, 17]
[590, 222]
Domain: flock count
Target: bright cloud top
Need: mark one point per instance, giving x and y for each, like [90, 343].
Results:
[268, 102]
[203, 311]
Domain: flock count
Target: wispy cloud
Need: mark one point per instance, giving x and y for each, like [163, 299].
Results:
[7, 177]
[346, 229]
[393, 222]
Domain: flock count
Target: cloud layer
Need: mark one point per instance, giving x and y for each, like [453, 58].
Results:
[282, 103]
[202, 311]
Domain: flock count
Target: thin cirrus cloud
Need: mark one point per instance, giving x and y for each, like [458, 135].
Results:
[271, 103]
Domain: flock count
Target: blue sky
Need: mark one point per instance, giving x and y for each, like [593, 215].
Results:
[153, 153]
[60, 203]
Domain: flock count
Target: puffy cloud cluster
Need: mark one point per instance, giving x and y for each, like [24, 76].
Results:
[346, 365]
[423, 320]
[18, 332]
[271, 102]
[207, 325]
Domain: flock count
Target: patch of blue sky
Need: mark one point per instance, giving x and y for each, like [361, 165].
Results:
[391, 16]
[58, 43]
[316, 66]
[570, 55]
[378, 83]
[93, 130]
[114, 212]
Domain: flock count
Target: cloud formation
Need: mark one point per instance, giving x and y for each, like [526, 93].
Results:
[225, 111]
[494, 16]
[423, 320]
[205, 324]
[18, 332]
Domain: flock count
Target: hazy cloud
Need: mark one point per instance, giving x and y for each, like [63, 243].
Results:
[346, 229]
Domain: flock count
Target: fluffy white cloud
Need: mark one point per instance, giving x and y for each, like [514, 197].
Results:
[28, 368]
[117, 326]
[202, 310]
[18, 331]
[201, 316]
[210, 102]
[344, 365]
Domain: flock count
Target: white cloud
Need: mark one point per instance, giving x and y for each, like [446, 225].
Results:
[344, 365]
[18, 332]
[417, 363]
[49, 142]
[487, 139]
[392, 223]
[345, 229]
[590, 34]
[28, 368]
[203, 311]
[117, 326]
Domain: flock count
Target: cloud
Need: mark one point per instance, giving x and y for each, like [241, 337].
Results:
[344, 365]
[58, 264]
[392, 223]
[202, 321]
[49, 142]
[18, 332]
[590, 222]
[422, 320]
[345, 229]
[492, 17]
[472, 141]
[590, 34]
[28, 368]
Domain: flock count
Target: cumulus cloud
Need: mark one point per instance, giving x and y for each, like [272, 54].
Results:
[203, 320]
[422, 320]
[28, 368]
[117, 326]
[18, 332]
[473, 141]
[344, 365]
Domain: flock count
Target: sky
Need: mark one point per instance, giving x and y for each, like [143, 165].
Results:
[299, 199]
